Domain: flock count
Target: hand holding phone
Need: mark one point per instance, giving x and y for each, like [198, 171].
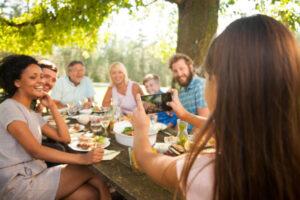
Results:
[156, 102]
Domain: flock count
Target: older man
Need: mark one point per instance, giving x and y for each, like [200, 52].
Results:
[191, 93]
[74, 87]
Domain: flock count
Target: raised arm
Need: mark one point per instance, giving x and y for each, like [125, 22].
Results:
[161, 168]
[61, 133]
[107, 97]
[195, 120]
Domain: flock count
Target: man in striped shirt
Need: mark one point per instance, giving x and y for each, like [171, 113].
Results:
[191, 93]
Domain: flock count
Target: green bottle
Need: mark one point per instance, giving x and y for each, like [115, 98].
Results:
[182, 134]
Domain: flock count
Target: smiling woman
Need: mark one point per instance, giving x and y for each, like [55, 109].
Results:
[23, 172]
[122, 91]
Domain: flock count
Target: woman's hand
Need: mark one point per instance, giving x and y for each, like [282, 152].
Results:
[176, 105]
[47, 101]
[140, 120]
[93, 156]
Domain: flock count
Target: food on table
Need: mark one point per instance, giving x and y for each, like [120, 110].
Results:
[171, 139]
[75, 128]
[187, 145]
[128, 131]
[86, 142]
[84, 138]
[100, 139]
[177, 149]
[85, 145]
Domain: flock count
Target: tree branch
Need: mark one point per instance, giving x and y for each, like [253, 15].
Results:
[150, 3]
[13, 24]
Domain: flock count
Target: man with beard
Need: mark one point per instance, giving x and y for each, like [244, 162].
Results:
[191, 93]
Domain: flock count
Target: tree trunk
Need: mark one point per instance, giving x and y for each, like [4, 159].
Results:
[198, 22]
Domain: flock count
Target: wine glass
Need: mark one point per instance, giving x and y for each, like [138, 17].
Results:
[72, 110]
[105, 121]
[95, 124]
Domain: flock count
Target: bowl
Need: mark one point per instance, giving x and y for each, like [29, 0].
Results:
[127, 140]
[83, 119]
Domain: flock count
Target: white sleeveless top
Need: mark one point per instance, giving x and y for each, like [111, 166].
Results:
[126, 102]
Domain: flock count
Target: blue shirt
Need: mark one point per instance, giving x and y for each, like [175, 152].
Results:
[164, 118]
[66, 92]
[192, 96]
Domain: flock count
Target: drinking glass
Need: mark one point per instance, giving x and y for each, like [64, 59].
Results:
[95, 124]
[72, 110]
[105, 121]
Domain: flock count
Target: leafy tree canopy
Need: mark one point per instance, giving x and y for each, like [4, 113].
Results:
[59, 22]
[43, 23]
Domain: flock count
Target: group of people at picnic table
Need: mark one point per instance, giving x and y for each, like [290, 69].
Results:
[249, 103]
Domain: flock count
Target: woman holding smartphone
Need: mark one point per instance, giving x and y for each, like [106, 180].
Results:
[253, 94]
[23, 172]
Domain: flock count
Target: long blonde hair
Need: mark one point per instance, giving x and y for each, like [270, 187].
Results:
[120, 66]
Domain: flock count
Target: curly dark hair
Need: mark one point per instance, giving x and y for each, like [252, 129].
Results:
[11, 68]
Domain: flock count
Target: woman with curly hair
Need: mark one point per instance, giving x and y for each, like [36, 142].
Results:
[23, 171]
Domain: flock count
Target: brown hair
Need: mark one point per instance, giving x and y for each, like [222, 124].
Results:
[256, 120]
[178, 56]
[149, 77]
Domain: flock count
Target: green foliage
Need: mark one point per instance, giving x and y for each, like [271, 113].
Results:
[286, 11]
[59, 22]
[138, 58]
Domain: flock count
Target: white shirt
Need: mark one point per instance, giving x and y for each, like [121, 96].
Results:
[66, 92]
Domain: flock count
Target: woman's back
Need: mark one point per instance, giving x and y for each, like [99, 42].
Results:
[256, 114]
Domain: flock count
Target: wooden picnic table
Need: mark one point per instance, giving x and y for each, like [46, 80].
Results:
[127, 181]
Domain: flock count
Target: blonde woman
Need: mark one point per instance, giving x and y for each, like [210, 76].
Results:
[122, 90]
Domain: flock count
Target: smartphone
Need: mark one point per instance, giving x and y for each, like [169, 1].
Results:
[156, 102]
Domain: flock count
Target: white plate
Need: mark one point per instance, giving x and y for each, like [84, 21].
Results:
[159, 126]
[86, 111]
[161, 147]
[75, 136]
[73, 145]
[73, 130]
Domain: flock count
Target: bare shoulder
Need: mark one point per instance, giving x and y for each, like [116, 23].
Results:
[136, 88]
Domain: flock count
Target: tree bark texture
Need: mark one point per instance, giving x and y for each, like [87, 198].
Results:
[198, 22]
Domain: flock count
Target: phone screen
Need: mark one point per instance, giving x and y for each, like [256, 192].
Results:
[156, 102]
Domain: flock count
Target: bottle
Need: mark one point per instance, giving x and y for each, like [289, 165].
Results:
[182, 137]
[182, 132]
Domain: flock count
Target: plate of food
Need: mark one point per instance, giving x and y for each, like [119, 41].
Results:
[74, 128]
[86, 143]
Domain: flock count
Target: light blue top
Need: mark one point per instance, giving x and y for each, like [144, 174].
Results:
[66, 92]
[192, 96]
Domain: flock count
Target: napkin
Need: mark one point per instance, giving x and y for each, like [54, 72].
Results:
[110, 154]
